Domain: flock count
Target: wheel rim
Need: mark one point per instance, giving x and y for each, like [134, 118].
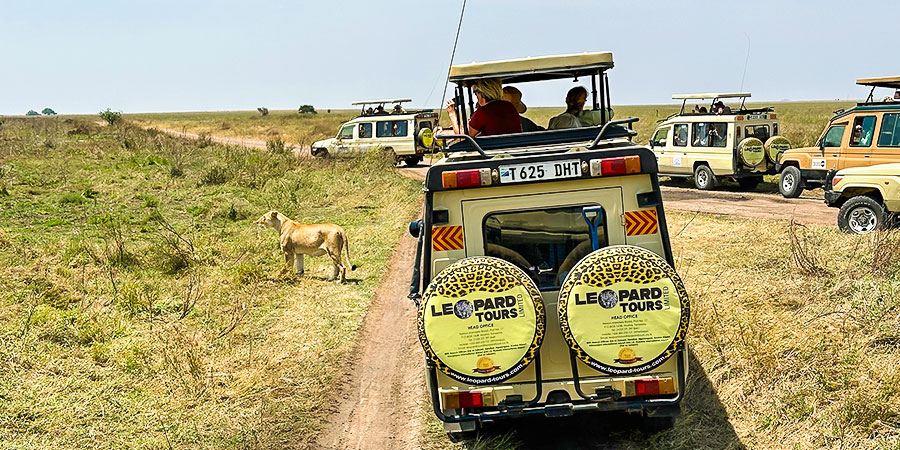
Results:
[787, 181]
[862, 220]
[702, 178]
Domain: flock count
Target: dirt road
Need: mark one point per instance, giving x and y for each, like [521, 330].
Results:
[299, 150]
[381, 404]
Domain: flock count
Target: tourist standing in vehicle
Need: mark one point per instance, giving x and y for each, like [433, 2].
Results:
[514, 96]
[493, 114]
[575, 99]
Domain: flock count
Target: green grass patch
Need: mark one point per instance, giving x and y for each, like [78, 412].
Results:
[144, 310]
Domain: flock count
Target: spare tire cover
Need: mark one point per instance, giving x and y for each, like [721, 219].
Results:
[752, 152]
[481, 320]
[775, 146]
[623, 310]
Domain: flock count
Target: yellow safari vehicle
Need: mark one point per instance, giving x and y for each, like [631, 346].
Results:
[864, 135]
[544, 276]
[718, 142]
[869, 197]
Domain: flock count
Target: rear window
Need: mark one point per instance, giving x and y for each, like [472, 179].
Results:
[890, 131]
[391, 128]
[545, 243]
[760, 132]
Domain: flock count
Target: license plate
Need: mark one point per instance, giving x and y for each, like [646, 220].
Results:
[756, 116]
[518, 173]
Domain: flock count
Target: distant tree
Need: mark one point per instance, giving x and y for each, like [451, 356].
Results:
[48, 112]
[110, 117]
[263, 110]
[307, 109]
[32, 112]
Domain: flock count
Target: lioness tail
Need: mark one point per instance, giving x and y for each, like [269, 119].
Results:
[347, 248]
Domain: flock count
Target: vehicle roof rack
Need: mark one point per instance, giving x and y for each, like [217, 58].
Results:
[376, 102]
[534, 68]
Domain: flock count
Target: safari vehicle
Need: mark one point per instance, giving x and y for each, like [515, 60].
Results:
[405, 135]
[533, 271]
[865, 135]
[868, 197]
[741, 144]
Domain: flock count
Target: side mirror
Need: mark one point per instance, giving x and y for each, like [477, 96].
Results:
[822, 146]
[415, 228]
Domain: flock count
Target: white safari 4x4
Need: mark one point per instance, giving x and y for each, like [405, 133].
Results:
[405, 135]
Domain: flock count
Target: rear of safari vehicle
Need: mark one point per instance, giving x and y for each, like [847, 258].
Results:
[544, 213]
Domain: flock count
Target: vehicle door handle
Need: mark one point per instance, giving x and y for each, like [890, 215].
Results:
[867, 156]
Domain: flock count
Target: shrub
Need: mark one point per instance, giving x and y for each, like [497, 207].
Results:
[307, 109]
[111, 117]
[204, 140]
[263, 110]
[275, 145]
[32, 112]
[48, 112]
[214, 175]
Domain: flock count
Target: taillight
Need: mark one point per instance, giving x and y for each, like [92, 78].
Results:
[775, 129]
[738, 117]
[773, 116]
[650, 386]
[622, 165]
[467, 399]
[466, 178]
[737, 131]
[835, 181]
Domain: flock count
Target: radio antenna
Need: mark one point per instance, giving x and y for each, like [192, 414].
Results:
[746, 62]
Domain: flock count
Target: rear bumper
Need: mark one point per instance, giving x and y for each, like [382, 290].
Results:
[587, 402]
[832, 198]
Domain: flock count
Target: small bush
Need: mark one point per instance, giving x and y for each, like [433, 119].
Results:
[214, 175]
[111, 117]
[72, 198]
[263, 110]
[307, 109]
[149, 200]
[276, 145]
[48, 112]
[204, 140]
[32, 112]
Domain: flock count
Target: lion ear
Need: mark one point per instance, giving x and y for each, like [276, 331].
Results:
[274, 214]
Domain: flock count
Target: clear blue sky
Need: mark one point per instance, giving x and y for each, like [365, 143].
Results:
[163, 55]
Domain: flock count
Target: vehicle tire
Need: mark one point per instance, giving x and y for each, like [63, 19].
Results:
[750, 183]
[704, 179]
[860, 215]
[652, 425]
[790, 183]
[319, 153]
[413, 161]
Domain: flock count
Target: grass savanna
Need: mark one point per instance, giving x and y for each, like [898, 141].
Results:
[291, 126]
[140, 305]
[794, 337]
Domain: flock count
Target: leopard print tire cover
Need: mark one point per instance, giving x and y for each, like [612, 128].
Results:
[623, 310]
[481, 320]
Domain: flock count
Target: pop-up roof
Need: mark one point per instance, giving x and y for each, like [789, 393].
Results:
[885, 82]
[378, 102]
[710, 95]
[534, 68]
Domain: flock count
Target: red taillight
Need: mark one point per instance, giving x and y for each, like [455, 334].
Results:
[775, 129]
[737, 131]
[738, 117]
[835, 181]
[646, 387]
[622, 165]
[470, 400]
[773, 116]
[466, 178]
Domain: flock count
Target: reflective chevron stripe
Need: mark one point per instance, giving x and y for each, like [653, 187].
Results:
[446, 238]
[641, 222]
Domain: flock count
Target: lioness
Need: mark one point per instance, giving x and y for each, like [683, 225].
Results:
[316, 239]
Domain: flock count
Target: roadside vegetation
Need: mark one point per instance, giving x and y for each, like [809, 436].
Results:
[794, 338]
[141, 307]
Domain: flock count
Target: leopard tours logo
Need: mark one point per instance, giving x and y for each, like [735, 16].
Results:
[630, 300]
[488, 309]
